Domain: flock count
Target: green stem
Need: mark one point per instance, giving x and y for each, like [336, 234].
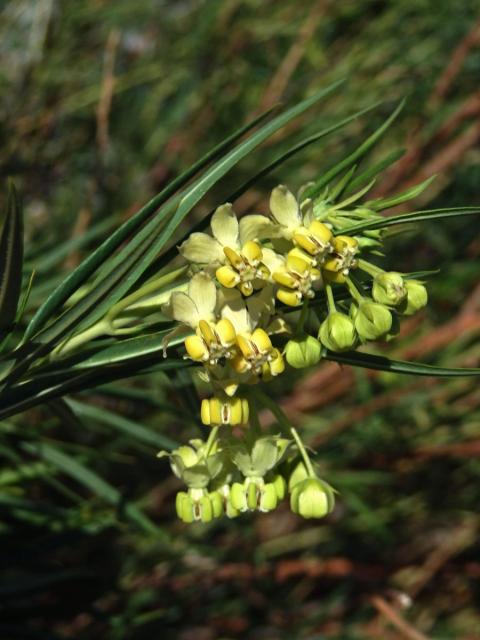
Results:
[211, 440]
[303, 452]
[369, 268]
[354, 292]
[303, 317]
[270, 404]
[330, 299]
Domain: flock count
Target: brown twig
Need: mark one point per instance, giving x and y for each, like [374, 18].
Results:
[382, 606]
[472, 39]
[280, 80]
[106, 90]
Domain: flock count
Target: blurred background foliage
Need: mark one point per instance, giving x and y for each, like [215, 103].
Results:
[102, 102]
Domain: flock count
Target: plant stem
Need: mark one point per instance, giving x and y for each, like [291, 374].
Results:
[211, 440]
[330, 299]
[354, 292]
[270, 404]
[303, 317]
[303, 452]
[369, 268]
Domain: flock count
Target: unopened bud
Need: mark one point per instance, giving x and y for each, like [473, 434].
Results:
[417, 297]
[372, 320]
[304, 351]
[312, 498]
[389, 289]
[337, 332]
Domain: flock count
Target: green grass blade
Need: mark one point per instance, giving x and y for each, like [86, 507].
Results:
[385, 203]
[11, 260]
[382, 363]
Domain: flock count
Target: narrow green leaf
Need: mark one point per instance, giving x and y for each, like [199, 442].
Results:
[381, 204]
[375, 170]
[107, 248]
[74, 469]
[351, 159]
[414, 216]
[172, 252]
[11, 260]
[128, 265]
[128, 427]
[382, 363]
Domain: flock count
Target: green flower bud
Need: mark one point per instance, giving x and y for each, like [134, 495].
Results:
[389, 289]
[298, 474]
[198, 504]
[417, 297]
[337, 332]
[372, 320]
[304, 351]
[253, 494]
[280, 486]
[268, 498]
[312, 498]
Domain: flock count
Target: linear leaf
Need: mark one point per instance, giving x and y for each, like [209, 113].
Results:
[98, 257]
[376, 169]
[414, 216]
[97, 485]
[131, 428]
[385, 203]
[11, 259]
[351, 159]
[382, 363]
[149, 241]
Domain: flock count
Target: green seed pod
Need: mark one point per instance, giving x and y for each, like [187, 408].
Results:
[389, 289]
[304, 351]
[312, 498]
[372, 320]
[417, 297]
[337, 332]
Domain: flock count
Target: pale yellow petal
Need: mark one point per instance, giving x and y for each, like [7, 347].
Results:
[224, 225]
[256, 227]
[184, 309]
[203, 292]
[272, 260]
[284, 207]
[202, 249]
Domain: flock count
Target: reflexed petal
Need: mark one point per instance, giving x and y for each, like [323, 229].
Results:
[224, 225]
[203, 292]
[202, 248]
[255, 227]
[235, 311]
[272, 260]
[284, 207]
[184, 309]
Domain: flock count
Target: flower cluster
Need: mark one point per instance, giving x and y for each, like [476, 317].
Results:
[264, 292]
[227, 476]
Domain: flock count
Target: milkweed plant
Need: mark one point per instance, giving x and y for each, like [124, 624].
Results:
[236, 303]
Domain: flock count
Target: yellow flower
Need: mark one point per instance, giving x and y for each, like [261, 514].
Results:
[236, 256]
[296, 279]
[217, 411]
[257, 355]
[196, 309]
[337, 267]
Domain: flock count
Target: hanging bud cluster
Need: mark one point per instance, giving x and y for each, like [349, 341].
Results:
[253, 281]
